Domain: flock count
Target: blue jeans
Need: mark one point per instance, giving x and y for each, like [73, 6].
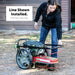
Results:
[43, 35]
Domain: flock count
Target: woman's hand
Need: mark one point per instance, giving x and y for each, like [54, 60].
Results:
[35, 25]
[59, 42]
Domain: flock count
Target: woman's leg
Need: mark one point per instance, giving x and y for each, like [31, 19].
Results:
[43, 34]
[54, 41]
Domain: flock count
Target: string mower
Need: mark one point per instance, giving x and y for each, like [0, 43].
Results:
[32, 54]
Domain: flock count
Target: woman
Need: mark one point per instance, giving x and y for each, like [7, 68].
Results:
[51, 20]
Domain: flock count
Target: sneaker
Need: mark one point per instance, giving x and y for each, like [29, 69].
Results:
[51, 67]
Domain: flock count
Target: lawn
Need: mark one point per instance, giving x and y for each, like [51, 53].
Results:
[8, 66]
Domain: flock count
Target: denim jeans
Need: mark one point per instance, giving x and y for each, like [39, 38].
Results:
[43, 34]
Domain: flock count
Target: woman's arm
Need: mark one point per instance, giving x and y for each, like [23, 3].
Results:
[58, 25]
[38, 13]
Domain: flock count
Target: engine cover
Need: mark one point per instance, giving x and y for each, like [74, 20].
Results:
[34, 51]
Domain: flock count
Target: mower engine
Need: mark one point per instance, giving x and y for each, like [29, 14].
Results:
[33, 47]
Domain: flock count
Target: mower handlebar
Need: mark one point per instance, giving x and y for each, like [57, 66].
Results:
[52, 45]
[45, 45]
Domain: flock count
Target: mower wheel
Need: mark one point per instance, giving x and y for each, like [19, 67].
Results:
[23, 59]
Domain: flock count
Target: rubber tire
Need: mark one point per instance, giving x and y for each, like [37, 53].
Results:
[18, 62]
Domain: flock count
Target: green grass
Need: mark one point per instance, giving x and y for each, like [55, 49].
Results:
[66, 36]
[13, 38]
